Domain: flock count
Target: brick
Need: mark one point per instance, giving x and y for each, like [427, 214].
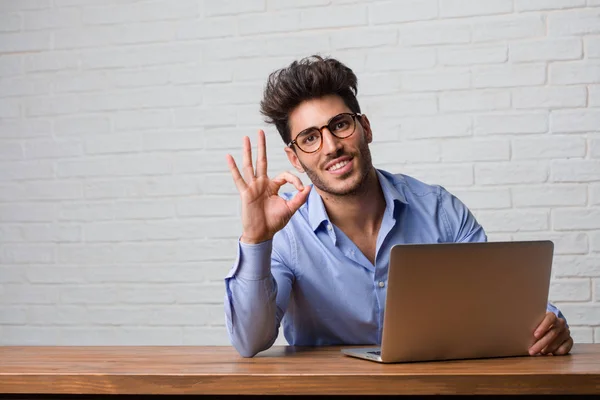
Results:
[12, 274]
[513, 220]
[228, 48]
[474, 100]
[10, 22]
[549, 97]
[485, 76]
[148, 11]
[511, 173]
[57, 274]
[592, 47]
[145, 77]
[13, 315]
[231, 7]
[446, 175]
[11, 151]
[125, 142]
[582, 334]
[127, 165]
[218, 94]
[86, 254]
[400, 105]
[570, 290]
[576, 219]
[434, 33]
[481, 199]
[173, 141]
[51, 61]
[32, 212]
[342, 16]
[51, 19]
[10, 108]
[40, 233]
[211, 28]
[82, 124]
[40, 149]
[581, 313]
[86, 37]
[595, 241]
[53, 190]
[594, 95]
[180, 251]
[549, 196]
[20, 86]
[564, 242]
[12, 170]
[88, 294]
[436, 80]
[285, 4]
[575, 171]
[471, 8]
[114, 232]
[594, 194]
[538, 5]
[204, 228]
[27, 254]
[207, 72]
[214, 336]
[472, 54]
[436, 126]
[11, 65]
[596, 283]
[146, 294]
[144, 209]
[123, 336]
[508, 27]
[419, 151]
[24, 42]
[164, 97]
[28, 294]
[206, 206]
[363, 38]
[554, 147]
[200, 294]
[292, 45]
[200, 162]
[8, 5]
[140, 55]
[20, 129]
[575, 72]
[58, 315]
[29, 336]
[546, 50]
[398, 60]
[574, 22]
[582, 120]
[254, 69]
[89, 211]
[380, 84]
[51, 105]
[83, 82]
[142, 119]
[405, 11]
[282, 21]
[459, 150]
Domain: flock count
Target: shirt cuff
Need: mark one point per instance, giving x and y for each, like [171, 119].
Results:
[253, 261]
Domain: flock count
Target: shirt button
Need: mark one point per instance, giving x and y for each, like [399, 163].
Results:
[381, 284]
[330, 227]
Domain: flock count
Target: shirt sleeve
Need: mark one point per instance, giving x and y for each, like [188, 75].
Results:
[463, 227]
[257, 291]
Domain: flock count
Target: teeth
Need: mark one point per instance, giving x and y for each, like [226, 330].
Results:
[338, 165]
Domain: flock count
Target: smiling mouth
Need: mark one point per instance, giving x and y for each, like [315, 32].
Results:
[339, 165]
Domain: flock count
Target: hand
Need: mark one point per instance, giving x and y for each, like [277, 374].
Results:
[264, 212]
[552, 337]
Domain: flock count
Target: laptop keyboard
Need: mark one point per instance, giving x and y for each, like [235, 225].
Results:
[377, 353]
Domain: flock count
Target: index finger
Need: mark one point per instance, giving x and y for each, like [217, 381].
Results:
[261, 161]
[545, 325]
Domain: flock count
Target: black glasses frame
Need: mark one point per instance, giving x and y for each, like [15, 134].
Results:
[353, 115]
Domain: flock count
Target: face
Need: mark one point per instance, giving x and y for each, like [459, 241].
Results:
[341, 166]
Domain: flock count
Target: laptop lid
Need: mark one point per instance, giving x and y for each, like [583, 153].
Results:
[465, 300]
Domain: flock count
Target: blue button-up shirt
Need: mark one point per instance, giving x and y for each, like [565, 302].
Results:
[312, 278]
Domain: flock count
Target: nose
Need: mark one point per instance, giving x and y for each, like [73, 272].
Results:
[331, 144]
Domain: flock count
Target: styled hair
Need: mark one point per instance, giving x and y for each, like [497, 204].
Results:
[309, 78]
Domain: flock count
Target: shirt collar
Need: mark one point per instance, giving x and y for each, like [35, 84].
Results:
[316, 209]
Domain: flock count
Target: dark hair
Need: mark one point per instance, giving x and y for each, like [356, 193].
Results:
[309, 78]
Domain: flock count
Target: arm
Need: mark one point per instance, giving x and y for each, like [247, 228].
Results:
[257, 294]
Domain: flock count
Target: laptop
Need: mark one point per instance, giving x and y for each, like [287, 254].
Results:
[454, 301]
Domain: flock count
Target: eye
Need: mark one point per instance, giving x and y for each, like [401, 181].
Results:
[309, 138]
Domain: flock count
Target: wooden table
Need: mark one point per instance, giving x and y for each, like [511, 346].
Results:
[60, 371]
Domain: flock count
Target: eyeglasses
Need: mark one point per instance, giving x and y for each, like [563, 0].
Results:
[341, 126]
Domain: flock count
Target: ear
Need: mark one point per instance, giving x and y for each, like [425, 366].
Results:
[293, 157]
[366, 125]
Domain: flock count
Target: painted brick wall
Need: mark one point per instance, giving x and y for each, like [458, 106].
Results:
[118, 218]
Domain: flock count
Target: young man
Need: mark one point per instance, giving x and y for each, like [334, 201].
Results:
[318, 259]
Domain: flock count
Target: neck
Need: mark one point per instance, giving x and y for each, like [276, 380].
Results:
[362, 210]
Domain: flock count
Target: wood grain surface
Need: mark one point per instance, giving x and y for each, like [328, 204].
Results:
[283, 370]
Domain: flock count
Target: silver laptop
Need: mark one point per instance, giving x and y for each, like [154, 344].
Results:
[462, 300]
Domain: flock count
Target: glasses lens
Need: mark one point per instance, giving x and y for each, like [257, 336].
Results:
[309, 140]
[342, 125]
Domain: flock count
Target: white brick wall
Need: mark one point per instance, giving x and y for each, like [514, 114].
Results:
[118, 217]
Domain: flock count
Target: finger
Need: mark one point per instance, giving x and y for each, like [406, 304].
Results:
[235, 173]
[261, 161]
[247, 160]
[287, 177]
[544, 341]
[564, 348]
[563, 336]
[300, 198]
[545, 325]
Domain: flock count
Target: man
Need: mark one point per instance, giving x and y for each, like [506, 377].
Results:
[317, 259]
